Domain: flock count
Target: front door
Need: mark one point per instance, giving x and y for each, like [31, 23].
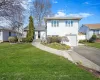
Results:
[38, 34]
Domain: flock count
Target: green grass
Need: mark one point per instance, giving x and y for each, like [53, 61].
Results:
[57, 46]
[96, 45]
[25, 62]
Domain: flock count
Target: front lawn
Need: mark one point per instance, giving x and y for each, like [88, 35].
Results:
[57, 46]
[25, 62]
[96, 45]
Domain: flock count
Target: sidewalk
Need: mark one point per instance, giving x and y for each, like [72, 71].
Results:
[54, 51]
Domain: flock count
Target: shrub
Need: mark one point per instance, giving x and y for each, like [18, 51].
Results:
[82, 41]
[13, 39]
[93, 39]
[54, 39]
[24, 40]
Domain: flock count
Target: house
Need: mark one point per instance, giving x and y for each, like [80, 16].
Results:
[6, 33]
[40, 32]
[90, 29]
[65, 27]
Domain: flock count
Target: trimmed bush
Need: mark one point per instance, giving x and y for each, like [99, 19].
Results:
[93, 39]
[54, 39]
[13, 39]
[82, 41]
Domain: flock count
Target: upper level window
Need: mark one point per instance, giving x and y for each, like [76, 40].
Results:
[69, 23]
[66, 23]
[52, 23]
[9, 33]
[55, 23]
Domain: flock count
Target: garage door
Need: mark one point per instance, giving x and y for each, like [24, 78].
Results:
[71, 40]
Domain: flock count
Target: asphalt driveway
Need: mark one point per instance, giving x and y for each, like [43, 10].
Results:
[92, 54]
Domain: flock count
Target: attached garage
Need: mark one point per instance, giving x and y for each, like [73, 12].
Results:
[70, 40]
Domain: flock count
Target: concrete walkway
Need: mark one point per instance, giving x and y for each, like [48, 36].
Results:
[51, 50]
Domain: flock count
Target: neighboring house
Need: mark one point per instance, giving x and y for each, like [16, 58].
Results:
[6, 33]
[40, 32]
[90, 29]
[65, 27]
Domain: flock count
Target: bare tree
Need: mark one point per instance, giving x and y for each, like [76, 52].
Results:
[42, 8]
[12, 10]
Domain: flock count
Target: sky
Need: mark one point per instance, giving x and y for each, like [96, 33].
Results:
[89, 10]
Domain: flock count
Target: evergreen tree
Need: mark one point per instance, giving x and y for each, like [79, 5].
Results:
[30, 33]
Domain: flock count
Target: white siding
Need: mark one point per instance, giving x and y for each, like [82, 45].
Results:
[36, 34]
[81, 37]
[62, 29]
[43, 35]
[24, 34]
[1, 35]
[6, 35]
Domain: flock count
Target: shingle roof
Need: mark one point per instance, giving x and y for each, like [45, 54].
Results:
[6, 29]
[93, 26]
[42, 28]
[62, 18]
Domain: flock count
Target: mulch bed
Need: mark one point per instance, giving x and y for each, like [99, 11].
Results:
[94, 72]
[98, 40]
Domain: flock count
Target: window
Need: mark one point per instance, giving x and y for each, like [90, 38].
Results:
[52, 23]
[9, 33]
[55, 23]
[66, 23]
[69, 23]
[97, 32]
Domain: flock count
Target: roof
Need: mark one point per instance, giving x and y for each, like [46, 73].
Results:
[42, 28]
[93, 26]
[6, 29]
[62, 18]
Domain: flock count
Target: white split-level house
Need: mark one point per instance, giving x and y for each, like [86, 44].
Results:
[90, 29]
[6, 33]
[66, 27]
